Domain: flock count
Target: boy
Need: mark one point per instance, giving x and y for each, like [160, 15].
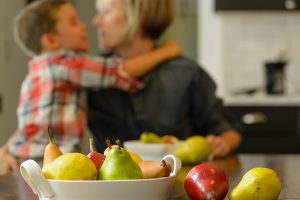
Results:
[54, 91]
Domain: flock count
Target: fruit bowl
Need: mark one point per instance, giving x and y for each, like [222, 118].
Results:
[151, 151]
[146, 189]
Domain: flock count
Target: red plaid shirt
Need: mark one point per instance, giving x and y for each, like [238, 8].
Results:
[54, 94]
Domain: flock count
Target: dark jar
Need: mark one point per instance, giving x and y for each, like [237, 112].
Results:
[275, 78]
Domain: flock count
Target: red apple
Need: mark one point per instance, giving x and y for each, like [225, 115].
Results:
[206, 181]
[96, 157]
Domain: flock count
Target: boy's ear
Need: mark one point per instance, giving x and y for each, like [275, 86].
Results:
[49, 41]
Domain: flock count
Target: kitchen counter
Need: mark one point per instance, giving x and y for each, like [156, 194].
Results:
[262, 100]
[13, 187]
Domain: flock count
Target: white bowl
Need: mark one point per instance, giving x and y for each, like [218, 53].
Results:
[142, 189]
[150, 151]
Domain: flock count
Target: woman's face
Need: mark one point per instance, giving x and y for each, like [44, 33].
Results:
[111, 23]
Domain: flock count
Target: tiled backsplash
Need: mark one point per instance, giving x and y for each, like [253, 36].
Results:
[248, 39]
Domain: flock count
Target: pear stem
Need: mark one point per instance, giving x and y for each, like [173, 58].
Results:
[108, 143]
[118, 142]
[50, 135]
[163, 163]
[92, 149]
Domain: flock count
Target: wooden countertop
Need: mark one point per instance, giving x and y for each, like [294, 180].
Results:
[13, 187]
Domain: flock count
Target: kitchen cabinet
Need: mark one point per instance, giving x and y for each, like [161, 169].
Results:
[269, 129]
[236, 5]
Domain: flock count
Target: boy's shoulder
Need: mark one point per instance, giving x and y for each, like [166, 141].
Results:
[61, 52]
[56, 56]
[47, 59]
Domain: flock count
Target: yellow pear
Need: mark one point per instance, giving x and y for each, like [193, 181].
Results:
[194, 149]
[51, 151]
[257, 184]
[71, 166]
[150, 137]
[135, 157]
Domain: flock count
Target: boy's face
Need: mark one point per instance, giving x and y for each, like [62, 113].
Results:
[70, 32]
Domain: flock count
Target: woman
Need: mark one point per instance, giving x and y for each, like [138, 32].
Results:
[179, 96]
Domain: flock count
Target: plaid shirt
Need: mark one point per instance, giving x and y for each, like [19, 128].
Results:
[53, 94]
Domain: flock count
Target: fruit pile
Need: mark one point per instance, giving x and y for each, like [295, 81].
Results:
[116, 163]
[193, 150]
[150, 137]
[207, 181]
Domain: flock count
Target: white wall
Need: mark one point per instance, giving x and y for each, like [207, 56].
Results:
[251, 39]
[209, 42]
[234, 46]
[12, 68]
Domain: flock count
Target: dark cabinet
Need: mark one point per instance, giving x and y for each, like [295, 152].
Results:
[226, 5]
[268, 129]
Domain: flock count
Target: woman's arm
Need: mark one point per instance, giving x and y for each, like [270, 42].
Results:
[225, 143]
[211, 117]
[143, 63]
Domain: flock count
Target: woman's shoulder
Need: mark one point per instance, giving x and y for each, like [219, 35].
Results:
[181, 64]
[183, 67]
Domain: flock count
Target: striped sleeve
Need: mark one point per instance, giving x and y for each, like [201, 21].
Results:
[94, 72]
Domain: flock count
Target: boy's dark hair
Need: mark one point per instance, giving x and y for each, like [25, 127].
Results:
[34, 20]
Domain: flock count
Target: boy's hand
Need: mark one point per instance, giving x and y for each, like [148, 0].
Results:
[171, 48]
[8, 162]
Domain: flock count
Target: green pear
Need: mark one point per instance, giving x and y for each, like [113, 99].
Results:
[149, 137]
[137, 158]
[194, 149]
[257, 184]
[119, 165]
[184, 170]
[71, 166]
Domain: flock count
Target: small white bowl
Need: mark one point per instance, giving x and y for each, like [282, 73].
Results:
[150, 151]
[141, 189]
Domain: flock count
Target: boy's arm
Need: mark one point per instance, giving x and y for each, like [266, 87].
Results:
[92, 72]
[141, 64]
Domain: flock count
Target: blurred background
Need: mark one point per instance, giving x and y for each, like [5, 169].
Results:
[251, 49]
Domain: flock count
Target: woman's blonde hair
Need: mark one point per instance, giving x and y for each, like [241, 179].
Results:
[152, 17]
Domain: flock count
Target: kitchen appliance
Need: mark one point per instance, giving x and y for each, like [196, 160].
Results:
[275, 80]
